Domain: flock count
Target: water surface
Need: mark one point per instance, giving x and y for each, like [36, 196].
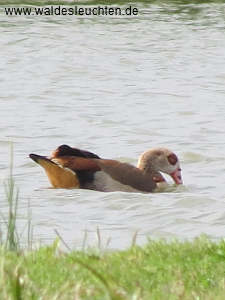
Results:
[117, 87]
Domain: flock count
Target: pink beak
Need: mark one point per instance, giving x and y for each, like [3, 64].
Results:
[176, 175]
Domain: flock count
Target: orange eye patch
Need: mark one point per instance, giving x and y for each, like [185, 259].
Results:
[172, 158]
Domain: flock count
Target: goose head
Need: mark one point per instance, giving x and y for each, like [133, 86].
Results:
[160, 160]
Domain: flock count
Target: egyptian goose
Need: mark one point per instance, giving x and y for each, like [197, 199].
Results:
[74, 168]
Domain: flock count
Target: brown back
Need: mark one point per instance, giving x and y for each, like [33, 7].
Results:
[77, 163]
[127, 174]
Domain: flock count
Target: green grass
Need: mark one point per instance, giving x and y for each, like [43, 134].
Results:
[159, 270]
[9, 234]
[11, 240]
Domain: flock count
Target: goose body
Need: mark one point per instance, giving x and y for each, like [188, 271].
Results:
[69, 167]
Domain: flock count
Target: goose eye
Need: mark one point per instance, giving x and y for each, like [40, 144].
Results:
[172, 158]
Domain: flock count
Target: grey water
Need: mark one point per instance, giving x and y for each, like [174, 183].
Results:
[116, 87]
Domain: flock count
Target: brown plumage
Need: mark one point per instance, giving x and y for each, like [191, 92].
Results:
[127, 174]
[92, 172]
[58, 176]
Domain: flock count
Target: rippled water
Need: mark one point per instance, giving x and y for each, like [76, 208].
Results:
[117, 86]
